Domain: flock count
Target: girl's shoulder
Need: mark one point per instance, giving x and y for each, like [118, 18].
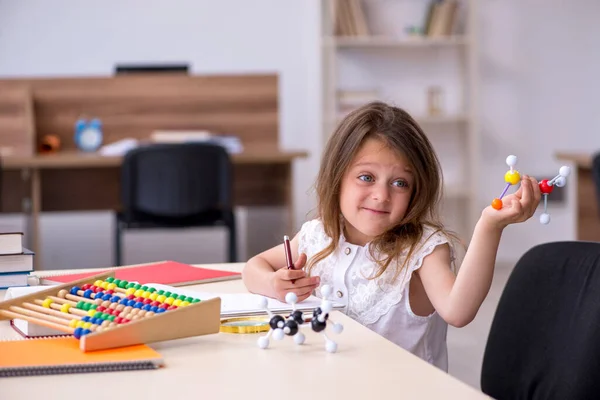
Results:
[432, 235]
[430, 239]
[312, 237]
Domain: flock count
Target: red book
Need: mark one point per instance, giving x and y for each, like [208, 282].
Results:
[166, 272]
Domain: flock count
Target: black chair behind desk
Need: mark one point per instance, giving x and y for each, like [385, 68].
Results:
[544, 341]
[596, 177]
[176, 186]
[1, 173]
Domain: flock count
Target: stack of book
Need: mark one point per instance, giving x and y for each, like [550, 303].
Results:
[349, 18]
[16, 262]
[441, 18]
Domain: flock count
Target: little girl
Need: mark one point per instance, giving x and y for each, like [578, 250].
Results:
[378, 242]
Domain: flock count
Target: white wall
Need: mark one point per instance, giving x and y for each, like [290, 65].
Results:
[538, 87]
[539, 95]
[70, 38]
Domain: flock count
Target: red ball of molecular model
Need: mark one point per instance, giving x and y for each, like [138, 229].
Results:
[512, 177]
[292, 325]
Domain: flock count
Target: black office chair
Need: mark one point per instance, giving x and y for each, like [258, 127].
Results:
[176, 186]
[1, 173]
[544, 342]
[596, 177]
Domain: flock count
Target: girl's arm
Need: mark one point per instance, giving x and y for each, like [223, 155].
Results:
[267, 274]
[458, 298]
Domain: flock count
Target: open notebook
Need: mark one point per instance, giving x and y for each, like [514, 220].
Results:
[247, 304]
[62, 355]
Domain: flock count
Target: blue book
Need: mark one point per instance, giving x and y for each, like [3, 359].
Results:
[13, 279]
[22, 262]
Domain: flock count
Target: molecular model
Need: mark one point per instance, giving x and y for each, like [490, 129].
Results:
[512, 177]
[292, 325]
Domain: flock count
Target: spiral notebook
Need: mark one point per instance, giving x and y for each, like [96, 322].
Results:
[61, 355]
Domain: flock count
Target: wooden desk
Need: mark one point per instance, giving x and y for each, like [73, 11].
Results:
[584, 202]
[230, 366]
[74, 181]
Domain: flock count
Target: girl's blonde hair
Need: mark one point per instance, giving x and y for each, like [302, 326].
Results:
[401, 133]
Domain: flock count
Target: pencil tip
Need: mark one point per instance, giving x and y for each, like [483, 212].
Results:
[286, 237]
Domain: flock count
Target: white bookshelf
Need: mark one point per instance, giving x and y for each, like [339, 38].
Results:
[401, 68]
[386, 41]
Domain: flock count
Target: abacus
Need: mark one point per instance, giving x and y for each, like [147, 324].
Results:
[103, 312]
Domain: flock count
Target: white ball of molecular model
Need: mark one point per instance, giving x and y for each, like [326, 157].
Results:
[292, 325]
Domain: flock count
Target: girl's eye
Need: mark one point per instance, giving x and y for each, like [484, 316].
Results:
[366, 178]
[400, 183]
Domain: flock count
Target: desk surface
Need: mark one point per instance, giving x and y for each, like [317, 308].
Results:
[229, 366]
[75, 159]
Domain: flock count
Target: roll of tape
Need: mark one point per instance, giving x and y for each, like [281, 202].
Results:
[245, 325]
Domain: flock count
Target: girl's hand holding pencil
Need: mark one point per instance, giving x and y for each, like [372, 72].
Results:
[286, 280]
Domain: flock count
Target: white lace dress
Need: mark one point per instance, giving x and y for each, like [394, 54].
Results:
[379, 304]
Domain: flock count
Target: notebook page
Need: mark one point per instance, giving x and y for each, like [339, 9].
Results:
[247, 303]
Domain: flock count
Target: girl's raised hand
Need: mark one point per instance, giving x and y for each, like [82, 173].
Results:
[516, 207]
[303, 286]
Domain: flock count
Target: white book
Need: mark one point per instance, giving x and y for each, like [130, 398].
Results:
[11, 242]
[13, 279]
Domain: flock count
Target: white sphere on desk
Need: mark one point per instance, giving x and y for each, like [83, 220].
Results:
[263, 302]
[326, 306]
[330, 346]
[511, 160]
[337, 328]
[545, 218]
[291, 298]
[326, 291]
[560, 181]
[564, 171]
[278, 334]
[263, 342]
[299, 338]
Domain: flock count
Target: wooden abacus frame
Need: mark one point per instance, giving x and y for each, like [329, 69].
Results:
[202, 318]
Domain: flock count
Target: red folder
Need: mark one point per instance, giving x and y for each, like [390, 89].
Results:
[166, 272]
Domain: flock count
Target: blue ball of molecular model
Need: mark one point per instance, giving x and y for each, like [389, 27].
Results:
[294, 323]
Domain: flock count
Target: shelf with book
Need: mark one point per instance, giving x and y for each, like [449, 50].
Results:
[363, 59]
[390, 41]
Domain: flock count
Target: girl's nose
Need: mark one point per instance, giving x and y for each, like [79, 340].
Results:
[380, 193]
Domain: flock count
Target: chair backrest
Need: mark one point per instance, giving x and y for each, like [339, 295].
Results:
[1, 183]
[544, 341]
[176, 180]
[596, 176]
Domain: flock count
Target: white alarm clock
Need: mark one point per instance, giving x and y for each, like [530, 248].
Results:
[88, 135]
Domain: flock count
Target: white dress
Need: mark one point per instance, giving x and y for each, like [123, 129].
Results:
[380, 304]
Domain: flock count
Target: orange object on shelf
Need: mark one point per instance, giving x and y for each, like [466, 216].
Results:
[50, 144]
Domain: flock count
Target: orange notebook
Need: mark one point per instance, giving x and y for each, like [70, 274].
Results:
[166, 272]
[62, 355]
